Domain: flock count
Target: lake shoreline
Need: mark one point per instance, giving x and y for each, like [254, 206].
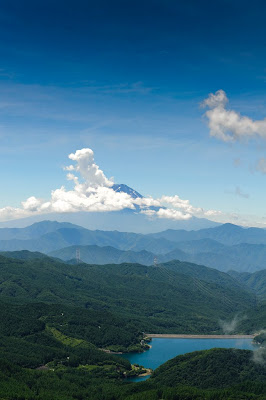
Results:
[182, 336]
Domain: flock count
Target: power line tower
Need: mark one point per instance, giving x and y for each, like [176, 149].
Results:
[78, 256]
[155, 262]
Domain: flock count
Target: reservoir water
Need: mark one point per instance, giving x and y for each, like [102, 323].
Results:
[164, 349]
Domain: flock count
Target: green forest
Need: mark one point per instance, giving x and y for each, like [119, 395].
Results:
[60, 325]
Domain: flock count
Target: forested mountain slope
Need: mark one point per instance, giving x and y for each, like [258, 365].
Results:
[215, 368]
[162, 299]
[255, 282]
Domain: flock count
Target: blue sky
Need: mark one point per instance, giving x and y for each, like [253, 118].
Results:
[126, 79]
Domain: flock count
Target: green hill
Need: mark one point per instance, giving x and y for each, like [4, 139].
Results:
[215, 368]
[162, 299]
[217, 374]
[57, 316]
[255, 282]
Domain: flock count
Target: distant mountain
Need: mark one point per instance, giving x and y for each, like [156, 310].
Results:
[126, 189]
[227, 234]
[241, 257]
[104, 255]
[244, 257]
[24, 255]
[33, 231]
[126, 220]
[71, 235]
[200, 246]
[50, 236]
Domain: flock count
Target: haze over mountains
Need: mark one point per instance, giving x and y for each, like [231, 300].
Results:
[226, 247]
[126, 220]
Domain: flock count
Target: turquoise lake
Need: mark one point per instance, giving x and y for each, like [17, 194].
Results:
[164, 349]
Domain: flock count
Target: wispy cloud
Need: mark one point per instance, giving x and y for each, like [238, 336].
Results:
[238, 192]
[230, 326]
[261, 165]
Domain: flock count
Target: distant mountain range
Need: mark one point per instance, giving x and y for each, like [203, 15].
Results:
[228, 234]
[226, 247]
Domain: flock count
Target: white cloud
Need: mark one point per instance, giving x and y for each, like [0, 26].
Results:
[229, 125]
[212, 213]
[98, 199]
[87, 168]
[31, 204]
[172, 207]
[148, 212]
[92, 192]
[176, 202]
[219, 99]
[171, 213]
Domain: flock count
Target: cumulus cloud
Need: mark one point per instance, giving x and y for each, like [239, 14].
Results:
[89, 171]
[229, 125]
[176, 202]
[92, 192]
[31, 204]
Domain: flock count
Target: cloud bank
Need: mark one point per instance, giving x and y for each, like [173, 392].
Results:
[229, 125]
[92, 192]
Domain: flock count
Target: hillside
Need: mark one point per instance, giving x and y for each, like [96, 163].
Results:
[203, 273]
[208, 369]
[162, 300]
[217, 374]
[56, 316]
[255, 282]
[29, 332]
